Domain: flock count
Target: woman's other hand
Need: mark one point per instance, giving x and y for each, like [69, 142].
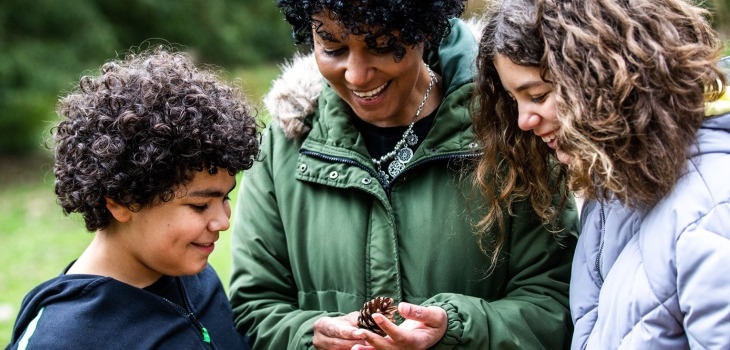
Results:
[333, 333]
[423, 327]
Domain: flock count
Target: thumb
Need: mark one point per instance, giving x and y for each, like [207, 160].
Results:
[430, 315]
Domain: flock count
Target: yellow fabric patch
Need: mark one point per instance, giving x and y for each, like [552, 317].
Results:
[721, 106]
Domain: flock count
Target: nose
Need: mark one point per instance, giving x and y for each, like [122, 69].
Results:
[527, 118]
[359, 69]
[221, 220]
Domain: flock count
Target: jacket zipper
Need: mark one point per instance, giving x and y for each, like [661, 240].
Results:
[338, 160]
[375, 175]
[443, 157]
[598, 256]
[188, 312]
[600, 247]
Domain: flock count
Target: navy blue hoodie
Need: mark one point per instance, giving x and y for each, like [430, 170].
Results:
[96, 312]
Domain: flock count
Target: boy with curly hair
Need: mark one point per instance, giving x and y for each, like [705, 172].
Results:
[147, 152]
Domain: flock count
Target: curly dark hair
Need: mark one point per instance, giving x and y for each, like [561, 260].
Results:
[521, 165]
[387, 25]
[143, 127]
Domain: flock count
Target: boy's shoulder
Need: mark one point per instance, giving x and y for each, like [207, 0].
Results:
[53, 307]
[80, 310]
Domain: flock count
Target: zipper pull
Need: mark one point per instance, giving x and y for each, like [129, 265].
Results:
[206, 336]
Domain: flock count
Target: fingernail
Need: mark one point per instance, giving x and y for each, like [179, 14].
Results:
[404, 308]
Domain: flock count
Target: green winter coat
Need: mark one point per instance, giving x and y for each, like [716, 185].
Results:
[315, 234]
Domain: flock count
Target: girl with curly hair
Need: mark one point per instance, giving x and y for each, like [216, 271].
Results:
[364, 192]
[623, 102]
[147, 152]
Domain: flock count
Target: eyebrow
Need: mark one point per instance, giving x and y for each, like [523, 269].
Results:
[207, 193]
[529, 84]
[327, 36]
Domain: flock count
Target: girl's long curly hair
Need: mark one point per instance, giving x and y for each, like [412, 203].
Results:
[143, 127]
[387, 25]
[516, 165]
[631, 79]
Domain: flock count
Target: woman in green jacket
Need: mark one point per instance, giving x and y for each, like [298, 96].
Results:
[364, 191]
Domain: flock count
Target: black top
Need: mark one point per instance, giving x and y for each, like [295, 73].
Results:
[381, 140]
[96, 312]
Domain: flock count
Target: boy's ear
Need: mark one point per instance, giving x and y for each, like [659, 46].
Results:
[120, 212]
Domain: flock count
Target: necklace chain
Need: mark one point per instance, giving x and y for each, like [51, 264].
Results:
[401, 153]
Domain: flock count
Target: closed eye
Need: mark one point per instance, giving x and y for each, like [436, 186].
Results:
[333, 53]
[199, 208]
[541, 98]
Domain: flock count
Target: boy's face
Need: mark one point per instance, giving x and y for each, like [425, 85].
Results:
[175, 238]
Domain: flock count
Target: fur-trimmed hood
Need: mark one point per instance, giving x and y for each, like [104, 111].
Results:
[294, 93]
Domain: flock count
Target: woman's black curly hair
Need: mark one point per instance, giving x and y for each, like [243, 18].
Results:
[387, 25]
[144, 127]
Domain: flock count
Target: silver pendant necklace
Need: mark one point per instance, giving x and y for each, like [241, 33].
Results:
[402, 152]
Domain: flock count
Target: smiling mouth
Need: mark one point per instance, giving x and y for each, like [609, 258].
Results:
[204, 245]
[372, 93]
[549, 138]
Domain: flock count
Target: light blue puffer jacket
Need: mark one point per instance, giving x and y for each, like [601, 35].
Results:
[660, 280]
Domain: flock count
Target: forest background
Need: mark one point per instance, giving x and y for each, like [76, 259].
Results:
[46, 45]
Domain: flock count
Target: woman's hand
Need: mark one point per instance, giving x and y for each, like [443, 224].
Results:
[336, 332]
[423, 327]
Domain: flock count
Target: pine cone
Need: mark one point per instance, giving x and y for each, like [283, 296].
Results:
[380, 305]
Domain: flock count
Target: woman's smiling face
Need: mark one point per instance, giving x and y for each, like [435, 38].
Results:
[535, 101]
[379, 90]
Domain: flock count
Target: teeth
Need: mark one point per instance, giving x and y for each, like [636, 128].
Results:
[549, 138]
[371, 93]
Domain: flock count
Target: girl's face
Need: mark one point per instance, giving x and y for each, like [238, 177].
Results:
[535, 101]
[379, 90]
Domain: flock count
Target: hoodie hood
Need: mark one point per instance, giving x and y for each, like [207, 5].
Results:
[722, 105]
[294, 94]
[712, 135]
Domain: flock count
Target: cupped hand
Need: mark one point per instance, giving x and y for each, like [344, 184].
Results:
[334, 333]
[423, 327]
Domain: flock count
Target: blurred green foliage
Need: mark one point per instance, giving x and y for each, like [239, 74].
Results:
[721, 17]
[46, 45]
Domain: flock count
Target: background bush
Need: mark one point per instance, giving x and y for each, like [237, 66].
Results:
[46, 44]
